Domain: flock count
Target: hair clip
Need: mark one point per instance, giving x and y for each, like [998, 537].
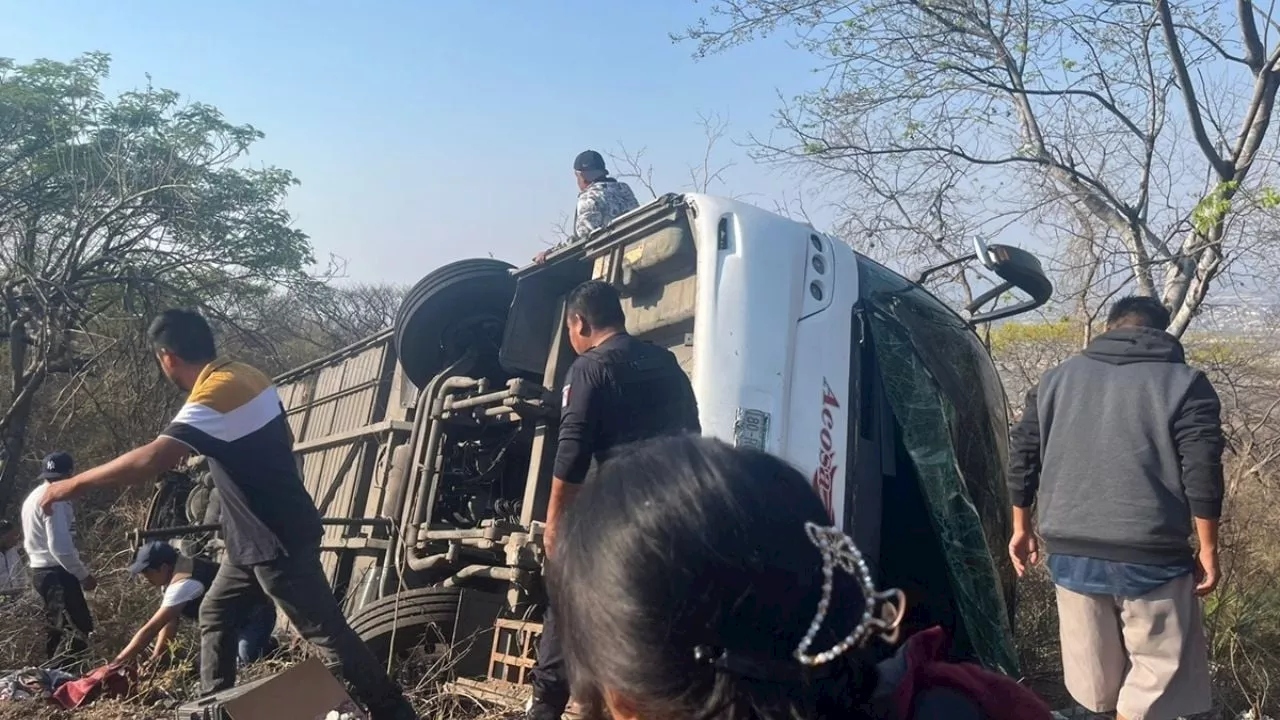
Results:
[839, 551]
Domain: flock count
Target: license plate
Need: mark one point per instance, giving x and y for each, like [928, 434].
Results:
[751, 429]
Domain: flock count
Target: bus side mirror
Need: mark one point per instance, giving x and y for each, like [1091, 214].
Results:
[1018, 269]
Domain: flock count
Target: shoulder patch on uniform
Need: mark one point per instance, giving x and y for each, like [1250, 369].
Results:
[564, 396]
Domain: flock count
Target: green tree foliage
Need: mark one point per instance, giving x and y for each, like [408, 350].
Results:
[113, 207]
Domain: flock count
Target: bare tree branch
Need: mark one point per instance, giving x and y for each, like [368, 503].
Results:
[1001, 108]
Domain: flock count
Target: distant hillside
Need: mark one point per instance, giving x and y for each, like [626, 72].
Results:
[1256, 314]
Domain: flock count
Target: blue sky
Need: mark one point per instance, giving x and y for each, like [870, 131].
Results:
[424, 132]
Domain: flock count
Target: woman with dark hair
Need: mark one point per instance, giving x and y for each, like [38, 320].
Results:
[695, 580]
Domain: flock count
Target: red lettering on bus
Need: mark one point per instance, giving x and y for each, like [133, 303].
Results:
[824, 476]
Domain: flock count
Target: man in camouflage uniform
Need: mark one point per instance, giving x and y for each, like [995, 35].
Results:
[600, 199]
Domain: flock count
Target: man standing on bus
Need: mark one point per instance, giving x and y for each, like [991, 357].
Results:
[618, 390]
[600, 199]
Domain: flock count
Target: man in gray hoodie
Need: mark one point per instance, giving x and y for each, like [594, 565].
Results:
[1119, 449]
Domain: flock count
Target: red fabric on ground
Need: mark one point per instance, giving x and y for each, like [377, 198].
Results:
[108, 681]
[999, 697]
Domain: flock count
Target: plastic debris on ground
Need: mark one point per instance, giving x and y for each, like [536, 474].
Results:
[305, 691]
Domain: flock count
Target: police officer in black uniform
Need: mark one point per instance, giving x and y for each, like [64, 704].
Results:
[619, 390]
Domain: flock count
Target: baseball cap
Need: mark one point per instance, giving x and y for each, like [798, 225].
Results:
[589, 160]
[153, 555]
[57, 466]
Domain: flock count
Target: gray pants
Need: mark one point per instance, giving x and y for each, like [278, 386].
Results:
[297, 585]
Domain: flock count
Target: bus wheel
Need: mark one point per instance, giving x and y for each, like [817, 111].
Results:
[455, 307]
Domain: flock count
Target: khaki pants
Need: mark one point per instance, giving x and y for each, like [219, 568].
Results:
[1144, 658]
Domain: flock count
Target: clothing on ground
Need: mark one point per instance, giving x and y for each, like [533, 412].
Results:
[1145, 657]
[1092, 576]
[234, 418]
[620, 391]
[599, 204]
[32, 683]
[50, 539]
[104, 683]
[297, 584]
[13, 574]
[920, 683]
[1121, 444]
[65, 613]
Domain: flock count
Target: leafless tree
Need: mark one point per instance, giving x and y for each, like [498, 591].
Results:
[1150, 119]
[710, 173]
[633, 165]
[357, 310]
[705, 174]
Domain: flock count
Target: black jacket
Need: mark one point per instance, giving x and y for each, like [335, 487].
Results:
[622, 391]
[1121, 444]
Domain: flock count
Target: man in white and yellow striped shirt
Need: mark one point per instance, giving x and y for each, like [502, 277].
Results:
[233, 416]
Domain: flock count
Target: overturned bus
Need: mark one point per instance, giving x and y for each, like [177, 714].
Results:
[428, 447]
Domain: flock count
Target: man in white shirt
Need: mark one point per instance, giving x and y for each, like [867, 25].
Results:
[59, 576]
[184, 581]
[13, 575]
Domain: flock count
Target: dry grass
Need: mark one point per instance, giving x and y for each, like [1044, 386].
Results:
[122, 604]
[158, 696]
[1243, 620]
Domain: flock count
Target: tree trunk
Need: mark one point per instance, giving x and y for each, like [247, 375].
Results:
[28, 378]
[1192, 283]
[13, 443]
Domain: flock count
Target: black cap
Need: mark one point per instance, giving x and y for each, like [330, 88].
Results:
[589, 160]
[153, 555]
[57, 466]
